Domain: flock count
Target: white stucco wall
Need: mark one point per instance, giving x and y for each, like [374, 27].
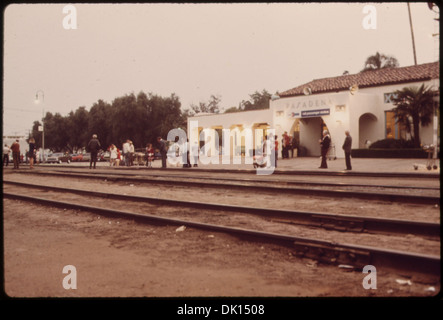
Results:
[236, 122]
[362, 113]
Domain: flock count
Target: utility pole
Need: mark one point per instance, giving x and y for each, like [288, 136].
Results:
[412, 34]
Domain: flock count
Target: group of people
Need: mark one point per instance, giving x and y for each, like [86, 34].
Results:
[127, 154]
[325, 145]
[15, 149]
[181, 150]
[289, 143]
[17, 156]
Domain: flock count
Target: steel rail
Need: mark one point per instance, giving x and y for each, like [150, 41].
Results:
[324, 251]
[282, 182]
[330, 221]
[391, 197]
[288, 172]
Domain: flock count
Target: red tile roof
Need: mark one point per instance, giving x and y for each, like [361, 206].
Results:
[373, 78]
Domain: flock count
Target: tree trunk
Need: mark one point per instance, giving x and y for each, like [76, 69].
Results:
[416, 123]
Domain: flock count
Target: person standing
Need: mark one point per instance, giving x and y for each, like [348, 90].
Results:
[347, 145]
[163, 150]
[149, 155]
[119, 157]
[6, 151]
[325, 143]
[287, 144]
[126, 152]
[283, 145]
[93, 147]
[112, 155]
[31, 153]
[15, 147]
[291, 146]
[267, 150]
[276, 149]
[185, 153]
[131, 153]
[195, 152]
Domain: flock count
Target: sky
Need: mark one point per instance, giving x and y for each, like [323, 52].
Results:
[192, 50]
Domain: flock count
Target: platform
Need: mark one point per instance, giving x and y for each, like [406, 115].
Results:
[309, 164]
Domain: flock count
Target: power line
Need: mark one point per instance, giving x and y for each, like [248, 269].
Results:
[23, 110]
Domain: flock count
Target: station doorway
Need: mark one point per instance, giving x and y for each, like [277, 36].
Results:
[259, 132]
[367, 129]
[308, 131]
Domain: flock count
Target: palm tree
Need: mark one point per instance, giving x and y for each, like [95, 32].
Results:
[414, 106]
[380, 61]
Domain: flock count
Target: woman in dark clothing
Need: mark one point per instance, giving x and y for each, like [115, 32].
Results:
[325, 144]
[31, 153]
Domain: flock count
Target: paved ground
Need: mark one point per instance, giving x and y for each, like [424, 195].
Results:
[312, 164]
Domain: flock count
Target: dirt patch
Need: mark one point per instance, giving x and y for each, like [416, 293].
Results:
[125, 258]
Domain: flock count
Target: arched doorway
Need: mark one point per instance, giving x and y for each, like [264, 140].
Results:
[259, 131]
[237, 140]
[310, 130]
[367, 131]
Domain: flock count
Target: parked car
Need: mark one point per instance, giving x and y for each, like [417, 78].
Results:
[104, 156]
[58, 158]
[76, 157]
[86, 157]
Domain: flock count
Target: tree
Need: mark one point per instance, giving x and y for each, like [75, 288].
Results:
[77, 127]
[380, 61]
[414, 107]
[37, 135]
[140, 118]
[56, 135]
[164, 114]
[98, 122]
[210, 106]
[232, 109]
[258, 100]
[129, 120]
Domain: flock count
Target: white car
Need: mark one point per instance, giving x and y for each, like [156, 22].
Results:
[58, 158]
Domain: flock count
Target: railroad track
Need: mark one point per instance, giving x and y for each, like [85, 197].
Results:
[199, 176]
[286, 187]
[317, 219]
[281, 172]
[324, 251]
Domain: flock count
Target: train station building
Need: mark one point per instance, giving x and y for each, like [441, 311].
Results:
[360, 103]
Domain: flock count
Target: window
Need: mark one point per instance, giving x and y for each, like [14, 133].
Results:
[389, 96]
[394, 130]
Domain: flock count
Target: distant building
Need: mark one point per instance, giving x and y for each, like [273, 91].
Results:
[360, 103]
[22, 140]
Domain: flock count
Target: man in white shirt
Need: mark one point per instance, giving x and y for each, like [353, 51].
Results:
[6, 152]
[131, 153]
[126, 152]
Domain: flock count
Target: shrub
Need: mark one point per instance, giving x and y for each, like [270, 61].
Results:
[389, 153]
[392, 144]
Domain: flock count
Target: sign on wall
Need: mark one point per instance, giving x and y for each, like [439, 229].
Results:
[389, 96]
[309, 108]
[315, 113]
